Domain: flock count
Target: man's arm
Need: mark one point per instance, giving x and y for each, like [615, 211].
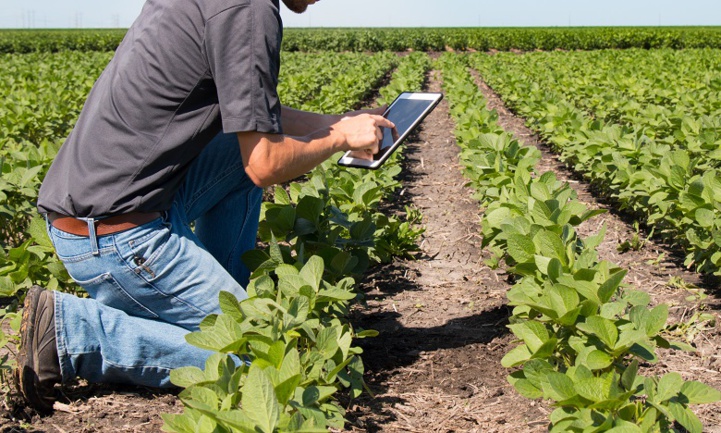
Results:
[275, 158]
[300, 123]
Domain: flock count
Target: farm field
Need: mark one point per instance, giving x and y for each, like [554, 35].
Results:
[575, 196]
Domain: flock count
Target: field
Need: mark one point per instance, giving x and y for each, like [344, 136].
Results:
[544, 254]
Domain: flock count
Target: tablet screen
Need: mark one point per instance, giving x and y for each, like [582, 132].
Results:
[406, 111]
[403, 113]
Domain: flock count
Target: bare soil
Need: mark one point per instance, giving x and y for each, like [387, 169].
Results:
[435, 367]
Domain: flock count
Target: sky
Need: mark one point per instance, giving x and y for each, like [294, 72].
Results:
[394, 13]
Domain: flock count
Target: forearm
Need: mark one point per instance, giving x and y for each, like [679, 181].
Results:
[279, 158]
[298, 123]
[309, 140]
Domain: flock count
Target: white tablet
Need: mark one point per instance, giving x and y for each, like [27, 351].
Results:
[406, 112]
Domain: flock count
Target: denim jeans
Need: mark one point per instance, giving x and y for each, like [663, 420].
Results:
[151, 285]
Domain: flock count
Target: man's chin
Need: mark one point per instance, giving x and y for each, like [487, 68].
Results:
[297, 6]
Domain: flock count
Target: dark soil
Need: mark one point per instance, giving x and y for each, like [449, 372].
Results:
[435, 367]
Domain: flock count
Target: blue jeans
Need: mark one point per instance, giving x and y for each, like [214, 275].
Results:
[151, 285]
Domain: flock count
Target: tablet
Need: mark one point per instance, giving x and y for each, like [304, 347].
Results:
[406, 112]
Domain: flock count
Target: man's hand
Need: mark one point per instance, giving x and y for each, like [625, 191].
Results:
[362, 133]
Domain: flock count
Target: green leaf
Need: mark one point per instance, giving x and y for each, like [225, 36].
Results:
[38, 230]
[668, 386]
[542, 263]
[644, 351]
[524, 386]
[516, 356]
[229, 305]
[259, 400]
[685, 417]
[179, 423]
[564, 300]
[337, 294]
[533, 333]
[699, 393]
[275, 254]
[298, 310]
[626, 428]
[224, 336]
[705, 218]
[550, 245]
[602, 328]
[367, 333]
[598, 360]
[281, 196]
[595, 389]
[610, 286]
[285, 390]
[559, 387]
[628, 378]
[521, 248]
[255, 258]
[310, 208]
[327, 342]
[317, 394]
[312, 272]
[629, 338]
[238, 419]
[555, 270]
[498, 216]
[587, 289]
[362, 230]
[657, 320]
[201, 398]
[185, 377]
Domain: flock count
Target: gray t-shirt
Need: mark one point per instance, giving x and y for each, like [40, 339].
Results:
[185, 70]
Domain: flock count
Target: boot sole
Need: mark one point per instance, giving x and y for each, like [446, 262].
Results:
[25, 376]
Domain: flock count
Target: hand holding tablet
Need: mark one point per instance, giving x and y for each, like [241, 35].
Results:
[406, 112]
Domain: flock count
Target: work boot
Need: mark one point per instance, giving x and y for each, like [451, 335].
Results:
[38, 367]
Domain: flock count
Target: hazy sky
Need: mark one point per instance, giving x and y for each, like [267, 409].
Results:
[394, 13]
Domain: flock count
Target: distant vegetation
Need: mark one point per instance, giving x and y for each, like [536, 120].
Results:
[397, 39]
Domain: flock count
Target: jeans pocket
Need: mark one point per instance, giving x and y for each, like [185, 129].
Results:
[108, 291]
[147, 251]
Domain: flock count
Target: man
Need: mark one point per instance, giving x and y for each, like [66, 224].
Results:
[183, 127]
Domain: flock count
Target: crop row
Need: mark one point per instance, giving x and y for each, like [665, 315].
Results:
[320, 232]
[292, 336]
[403, 39]
[582, 333]
[651, 145]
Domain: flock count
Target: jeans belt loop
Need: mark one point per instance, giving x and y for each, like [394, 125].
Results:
[95, 248]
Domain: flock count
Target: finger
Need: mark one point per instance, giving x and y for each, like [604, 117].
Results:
[382, 121]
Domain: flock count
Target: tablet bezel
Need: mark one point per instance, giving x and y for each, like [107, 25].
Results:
[348, 161]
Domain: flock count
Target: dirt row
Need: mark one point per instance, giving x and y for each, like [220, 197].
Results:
[436, 365]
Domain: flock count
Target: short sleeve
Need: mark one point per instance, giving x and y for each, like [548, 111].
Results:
[242, 44]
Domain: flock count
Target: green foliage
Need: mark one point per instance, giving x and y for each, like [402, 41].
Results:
[581, 333]
[281, 355]
[291, 354]
[502, 39]
[405, 39]
[330, 230]
[650, 145]
[29, 41]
